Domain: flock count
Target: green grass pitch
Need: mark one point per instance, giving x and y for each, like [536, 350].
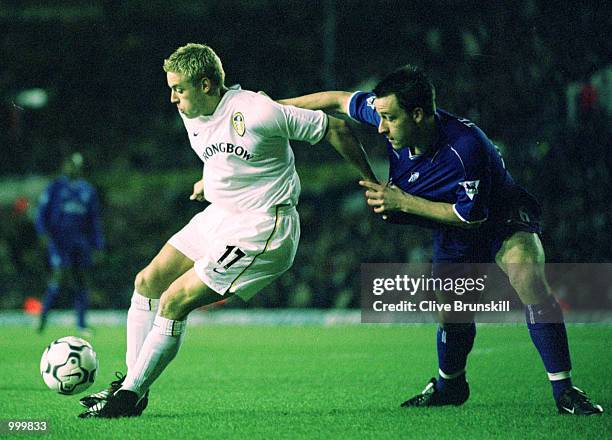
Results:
[339, 382]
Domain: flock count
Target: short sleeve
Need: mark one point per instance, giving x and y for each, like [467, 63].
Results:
[361, 108]
[472, 192]
[291, 122]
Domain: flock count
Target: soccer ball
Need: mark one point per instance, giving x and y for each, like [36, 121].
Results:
[68, 365]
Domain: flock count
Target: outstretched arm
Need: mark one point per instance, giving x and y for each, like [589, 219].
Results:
[344, 141]
[296, 120]
[329, 102]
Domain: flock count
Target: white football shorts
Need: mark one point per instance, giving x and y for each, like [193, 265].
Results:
[240, 252]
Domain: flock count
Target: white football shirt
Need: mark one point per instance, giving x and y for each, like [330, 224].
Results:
[244, 144]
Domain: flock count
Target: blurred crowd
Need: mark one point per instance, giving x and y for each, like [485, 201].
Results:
[89, 78]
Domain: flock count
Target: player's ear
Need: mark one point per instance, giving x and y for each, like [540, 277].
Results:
[207, 85]
[418, 115]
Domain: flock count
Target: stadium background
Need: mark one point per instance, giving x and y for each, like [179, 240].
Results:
[87, 76]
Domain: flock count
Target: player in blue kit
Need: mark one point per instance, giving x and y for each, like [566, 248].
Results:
[446, 173]
[69, 226]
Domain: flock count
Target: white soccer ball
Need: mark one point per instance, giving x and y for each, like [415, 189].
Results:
[68, 365]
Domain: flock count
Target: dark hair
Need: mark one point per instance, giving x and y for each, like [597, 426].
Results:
[412, 88]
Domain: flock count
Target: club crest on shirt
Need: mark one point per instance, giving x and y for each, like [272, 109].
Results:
[413, 176]
[238, 123]
[471, 187]
[370, 102]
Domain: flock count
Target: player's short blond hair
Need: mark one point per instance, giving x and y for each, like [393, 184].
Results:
[195, 62]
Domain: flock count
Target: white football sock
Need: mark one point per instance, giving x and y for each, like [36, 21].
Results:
[140, 318]
[159, 348]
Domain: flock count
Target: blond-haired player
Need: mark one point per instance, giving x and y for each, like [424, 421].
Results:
[246, 238]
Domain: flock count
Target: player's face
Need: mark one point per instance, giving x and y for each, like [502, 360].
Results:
[191, 100]
[397, 126]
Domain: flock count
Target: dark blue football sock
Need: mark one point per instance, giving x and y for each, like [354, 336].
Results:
[49, 297]
[547, 331]
[455, 341]
[81, 303]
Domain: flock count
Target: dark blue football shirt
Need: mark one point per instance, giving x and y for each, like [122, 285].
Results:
[69, 213]
[464, 169]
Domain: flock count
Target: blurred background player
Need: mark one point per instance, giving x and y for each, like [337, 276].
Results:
[445, 172]
[69, 226]
[248, 235]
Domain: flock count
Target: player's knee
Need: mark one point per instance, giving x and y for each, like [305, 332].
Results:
[148, 284]
[521, 249]
[140, 283]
